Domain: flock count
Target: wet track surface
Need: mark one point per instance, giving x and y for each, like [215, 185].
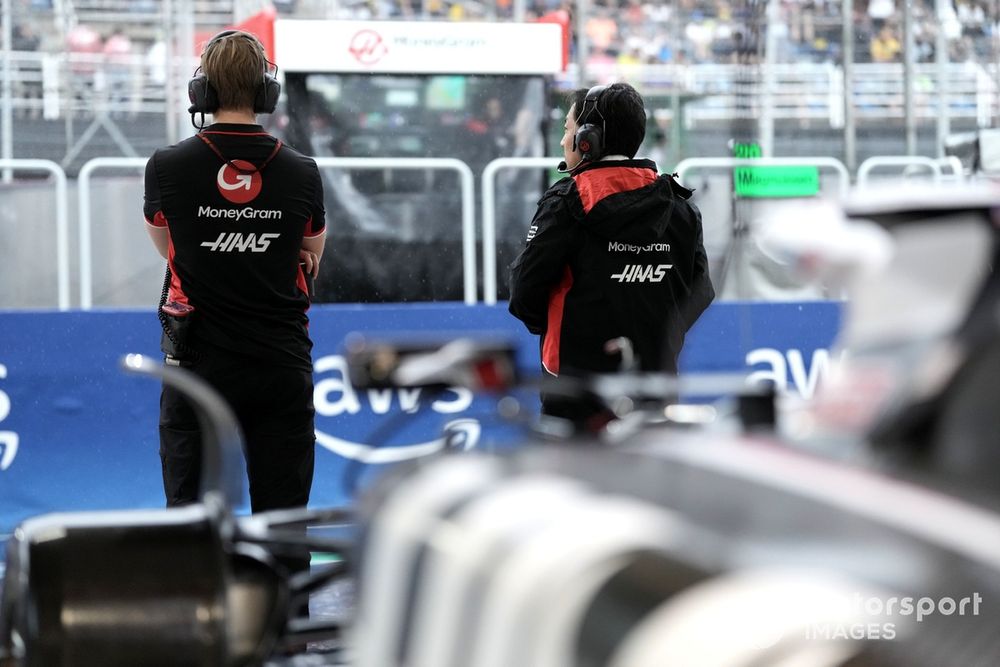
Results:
[333, 603]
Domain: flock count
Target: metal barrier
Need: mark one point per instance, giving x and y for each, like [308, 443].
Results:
[62, 220]
[953, 163]
[489, 195]
[72, 83]
[468, 208]
[489, 214]
[84, 220]
[866, 167]
[728, 162]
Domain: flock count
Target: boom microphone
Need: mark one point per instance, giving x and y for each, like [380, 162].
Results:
[562, 167]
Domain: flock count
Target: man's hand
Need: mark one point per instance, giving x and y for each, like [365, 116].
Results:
[310, 262]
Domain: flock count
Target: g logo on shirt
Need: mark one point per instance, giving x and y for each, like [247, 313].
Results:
[236, 186]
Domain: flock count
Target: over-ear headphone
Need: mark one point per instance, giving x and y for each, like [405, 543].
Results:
[589, 138]
[205, 99]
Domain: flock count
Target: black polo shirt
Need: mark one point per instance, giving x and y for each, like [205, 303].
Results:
[235, 236]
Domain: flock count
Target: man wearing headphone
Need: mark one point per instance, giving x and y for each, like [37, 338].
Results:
[614, 271]
[239, 218]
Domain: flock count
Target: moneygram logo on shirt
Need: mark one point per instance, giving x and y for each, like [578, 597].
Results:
[238, 186]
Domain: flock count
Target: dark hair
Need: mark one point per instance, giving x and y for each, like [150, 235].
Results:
[624, 117]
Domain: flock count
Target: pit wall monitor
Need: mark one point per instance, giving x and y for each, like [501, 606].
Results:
[418, 47]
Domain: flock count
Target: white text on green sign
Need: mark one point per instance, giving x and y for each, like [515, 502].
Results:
[776, 181]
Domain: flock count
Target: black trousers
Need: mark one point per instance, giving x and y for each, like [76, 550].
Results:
[274, 407]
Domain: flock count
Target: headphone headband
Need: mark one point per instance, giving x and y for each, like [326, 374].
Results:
[592, 97]
[218, 36]
[589, 137]
[248, 36]
[226, 33]
[594, 93]
[203, 96]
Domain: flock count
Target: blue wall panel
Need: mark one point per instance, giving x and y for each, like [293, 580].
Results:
[77, 433]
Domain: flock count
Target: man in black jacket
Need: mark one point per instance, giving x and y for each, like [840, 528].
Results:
[614, 251]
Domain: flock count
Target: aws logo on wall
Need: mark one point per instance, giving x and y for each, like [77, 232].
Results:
[791, 372]
[239, 181]
[8, 439]
[387, 425]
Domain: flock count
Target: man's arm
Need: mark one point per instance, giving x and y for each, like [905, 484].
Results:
[540, 265]
[160, 237]
[702, 293]
[314, 240]
[156, 223]
[312, 252]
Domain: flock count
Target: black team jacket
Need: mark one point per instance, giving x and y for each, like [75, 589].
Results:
[614, 250]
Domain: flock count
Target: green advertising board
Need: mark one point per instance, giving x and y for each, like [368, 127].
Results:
[776, 181]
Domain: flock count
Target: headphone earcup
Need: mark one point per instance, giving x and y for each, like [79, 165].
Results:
[267, 95]
[590, 142]
[202, 95]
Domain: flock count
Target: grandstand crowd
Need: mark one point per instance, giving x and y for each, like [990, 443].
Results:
[620, 31]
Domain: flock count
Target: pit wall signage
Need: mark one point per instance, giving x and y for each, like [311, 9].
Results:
[8, 439]
[419, 47]
[76, 433]
[771, 181]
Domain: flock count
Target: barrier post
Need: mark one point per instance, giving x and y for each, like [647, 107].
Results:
[62, 220]
[934, 166]
[84, 220]
[468, 208]
[467, 183]
[489, 214]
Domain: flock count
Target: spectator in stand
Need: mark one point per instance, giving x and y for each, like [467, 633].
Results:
[24, 38]
[972, 17]
[156, 62]
[285, 6]
[602, 31]
[885, 46]
[118, 63]
[699, 33]
[85, 47]
[27, 86]
[632, 53]
[963, 50]
[881, 10]
[634, 15]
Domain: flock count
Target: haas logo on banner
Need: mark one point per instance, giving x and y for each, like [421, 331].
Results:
[238, 186]
[8, 439]
[367, 47]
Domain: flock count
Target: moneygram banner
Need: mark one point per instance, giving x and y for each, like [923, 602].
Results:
[419, 47]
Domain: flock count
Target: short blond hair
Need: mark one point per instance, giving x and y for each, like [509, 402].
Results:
[234, 64]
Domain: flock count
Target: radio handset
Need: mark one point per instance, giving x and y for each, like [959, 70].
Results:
[176, 319]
